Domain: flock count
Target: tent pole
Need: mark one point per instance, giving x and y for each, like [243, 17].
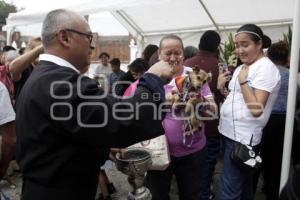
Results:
[125, 19]
[9, 33]
[292, 91]
[209, 15]
[132, 28]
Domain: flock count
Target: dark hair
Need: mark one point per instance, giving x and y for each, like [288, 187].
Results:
[209, 41]
[267, 42]
[170, 36]
[8, 48]
[279, 53]
[256, 34]
[154, 59]
[189, 52]
[139, 65]
[115, 61]
[149, 51]
[104, 54]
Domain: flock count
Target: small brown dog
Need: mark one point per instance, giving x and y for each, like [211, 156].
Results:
[188, 92]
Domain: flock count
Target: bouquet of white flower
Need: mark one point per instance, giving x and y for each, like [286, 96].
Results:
[232, 60]
[227, 54]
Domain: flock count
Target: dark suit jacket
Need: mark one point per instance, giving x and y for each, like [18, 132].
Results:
[59, 158]
[20, 83]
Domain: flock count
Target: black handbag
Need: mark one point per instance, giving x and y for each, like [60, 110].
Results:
[245, 157]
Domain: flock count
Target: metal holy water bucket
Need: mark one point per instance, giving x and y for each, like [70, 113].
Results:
[135, 162]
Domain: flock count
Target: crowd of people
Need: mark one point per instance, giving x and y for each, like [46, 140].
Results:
[63, 126]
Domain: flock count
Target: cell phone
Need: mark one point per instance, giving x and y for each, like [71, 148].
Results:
[223, 67]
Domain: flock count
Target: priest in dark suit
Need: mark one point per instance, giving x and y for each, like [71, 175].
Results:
[66, 124]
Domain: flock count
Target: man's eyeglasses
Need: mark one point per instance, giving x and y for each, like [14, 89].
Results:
[88, 35]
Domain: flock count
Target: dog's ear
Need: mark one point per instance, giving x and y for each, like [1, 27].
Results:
[196, 68]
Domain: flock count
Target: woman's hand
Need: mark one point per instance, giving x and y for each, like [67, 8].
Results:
[222, 79]
[255, 99]
[243, 74]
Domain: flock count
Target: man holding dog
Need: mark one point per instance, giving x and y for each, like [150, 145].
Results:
[66, 125]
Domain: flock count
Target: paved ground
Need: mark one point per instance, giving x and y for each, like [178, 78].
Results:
[120, 182]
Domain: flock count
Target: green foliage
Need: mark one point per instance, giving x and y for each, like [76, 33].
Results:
[5, 9]
[287, 37]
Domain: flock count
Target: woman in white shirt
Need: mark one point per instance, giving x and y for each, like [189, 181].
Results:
[252, 92]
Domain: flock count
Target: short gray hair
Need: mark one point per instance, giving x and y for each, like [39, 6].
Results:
[173, 37]
[55, 21]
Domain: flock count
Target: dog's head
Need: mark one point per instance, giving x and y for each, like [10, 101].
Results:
[199, 77]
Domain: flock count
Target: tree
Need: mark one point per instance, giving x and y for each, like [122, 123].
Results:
[5, 9]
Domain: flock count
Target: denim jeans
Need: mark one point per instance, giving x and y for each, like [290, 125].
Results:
[210, 160]
[234, 184]
[187, 170]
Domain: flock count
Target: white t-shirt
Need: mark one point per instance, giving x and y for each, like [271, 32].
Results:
[101, 69]
[7, 113]
[263, 75]
[102, 74]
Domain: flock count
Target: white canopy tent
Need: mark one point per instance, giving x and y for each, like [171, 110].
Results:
[97, 21]
[147, 20]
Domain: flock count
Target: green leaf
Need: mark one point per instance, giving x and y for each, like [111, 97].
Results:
[5, 9]
[287, 37]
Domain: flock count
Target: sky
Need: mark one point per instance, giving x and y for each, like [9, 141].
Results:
[103, 23]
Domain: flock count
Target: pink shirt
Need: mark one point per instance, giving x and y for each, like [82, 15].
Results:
[173, 126]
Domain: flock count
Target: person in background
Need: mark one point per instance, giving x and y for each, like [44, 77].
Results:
[207, 59]
[106, 187]
[135, 70]
[103, 70]
[186, 151]
[189, 52]
[7, 131]
[291, 189]
[149, 50]
[21, 68]
[9, 57]
[273, 133]
[116, 71]
[4, 50]
[253, 90]
[154, 58]
[296, 136]
[63, 133]
[5, 75]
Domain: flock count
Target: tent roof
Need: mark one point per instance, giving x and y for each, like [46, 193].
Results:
[147, 17]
